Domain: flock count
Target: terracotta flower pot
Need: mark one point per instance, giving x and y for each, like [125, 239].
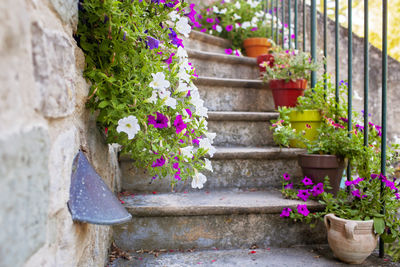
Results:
[308, 121]
[317, 167]
[351, 241]
[286, 93]
[265, 58]
[256, 46]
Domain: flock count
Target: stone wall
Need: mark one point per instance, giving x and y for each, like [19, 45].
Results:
[44, 122]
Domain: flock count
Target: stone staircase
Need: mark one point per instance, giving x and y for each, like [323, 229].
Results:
[239, 206]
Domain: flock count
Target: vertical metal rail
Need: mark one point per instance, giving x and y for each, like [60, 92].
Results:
[272, 19]
[349, 75]
[283, 24]
[313, 39]
[277, 25]
[295, 25]
[337, 50]
[304, 25]
[290, 23]
[366, 71]
[384, 104]
[325, 47]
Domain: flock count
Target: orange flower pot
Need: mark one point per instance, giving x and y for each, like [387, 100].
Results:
[256, 46]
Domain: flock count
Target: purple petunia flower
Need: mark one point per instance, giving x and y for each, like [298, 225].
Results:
[317, 189]
[196, 141]
[175, 165]
[174, 38]
[169, 60]
[286, 212]
[373, 176]
[302, 209]
[289, 186]
[160, 122]
[210, 20]
[203, 30]
[356, 193]
[124, 37]
[179, 124]
[303, 194]
[286, 176]
[189, 112]
[191, 15]
[152, 42]
[307, 181]
[228, 51]
[254, 29]
[229, 27]
[159, 162]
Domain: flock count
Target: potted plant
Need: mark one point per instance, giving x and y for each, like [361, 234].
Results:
[245, 23]
[289, 75]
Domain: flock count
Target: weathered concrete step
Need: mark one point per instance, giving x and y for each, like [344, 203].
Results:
[235, 94]
[299, 256]
[223, 66]
[206, 42]
[222, 219]
[241, 128]
[234, 167]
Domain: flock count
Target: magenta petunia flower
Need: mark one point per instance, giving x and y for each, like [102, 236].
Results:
[254, 29]
[303, 194]
[307, 181]
[286, 212]
[356, 193]
[175, 165]
[159, 162]
[229, 27]
[189, 112]
[160, 122]
[317, 189]
[373, 176]
[191, 15]
[289, 186]
[179, 124]
[169, 60]
[237, 53]
[293, 36]
[203, 30]
[196, 141]
[286, 176]
[228, 51]
[210, 20]
[302, 209]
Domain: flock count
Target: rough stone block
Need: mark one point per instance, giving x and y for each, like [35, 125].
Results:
[68, 10]
[24, 186]
[54, 71]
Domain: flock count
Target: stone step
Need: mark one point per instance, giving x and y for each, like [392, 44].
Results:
[235, 94]
[234, 167]
[298, 256]
[241, 128]
[223, 66]
[206, 42]
[222, 219]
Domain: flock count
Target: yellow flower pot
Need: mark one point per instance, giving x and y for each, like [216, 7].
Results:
[306, 122]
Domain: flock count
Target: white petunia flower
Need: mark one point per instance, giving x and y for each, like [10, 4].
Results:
[183, 87]
[174, 15]
[211, 136]
[254, 22]
[193, 88]
[187, 152]
[246, 24]
[236, 16]
[202, 111]
[237, 5]
[159, 82]
[181, 53]
[206, 144]
[216, 10]
[153, 98]
[223, 11]
[198, 180]
[260, 14]
[218, 28]
[182, 74]
[183, 26]
[129, 125]
[253, 4]
[185, 65]
[208, 165]
[169, 101]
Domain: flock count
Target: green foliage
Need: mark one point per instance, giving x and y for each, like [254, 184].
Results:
[120, 65]
[246, 18]
[290, 65]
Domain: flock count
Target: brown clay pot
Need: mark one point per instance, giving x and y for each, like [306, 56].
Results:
[351, 241]
[256, 46]
[317, 167]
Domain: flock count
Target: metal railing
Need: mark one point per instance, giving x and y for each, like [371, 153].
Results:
[276, 28]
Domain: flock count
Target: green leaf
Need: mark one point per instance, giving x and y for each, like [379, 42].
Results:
[379, 225]
[103, 104]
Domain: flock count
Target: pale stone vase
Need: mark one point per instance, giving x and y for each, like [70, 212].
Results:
[351, 241]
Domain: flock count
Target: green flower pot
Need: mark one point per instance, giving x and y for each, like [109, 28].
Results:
[308, 121]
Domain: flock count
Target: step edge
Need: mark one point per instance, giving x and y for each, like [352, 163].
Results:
[210, 39]
[241, 116]
[198, 54]
[225, 82]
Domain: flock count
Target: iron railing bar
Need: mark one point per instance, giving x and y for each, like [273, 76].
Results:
[366, 71]
[325, 47]
[272, 19]
[283, 23]
[290, 23]
[313, 39]
[295, 24]
[277, 19]
[337, 50]
[384, 107]
[304, 25]
[349, 75]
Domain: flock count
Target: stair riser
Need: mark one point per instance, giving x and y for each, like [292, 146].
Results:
[212, 68]
[215, 231]
[228, 173]
[218, 98]
[203, 46]
[241, 133]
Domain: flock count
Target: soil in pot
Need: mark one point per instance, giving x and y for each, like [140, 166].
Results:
[286, 93]
[351, 241]
[317, 167]
[256, 46]
[308, 121]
